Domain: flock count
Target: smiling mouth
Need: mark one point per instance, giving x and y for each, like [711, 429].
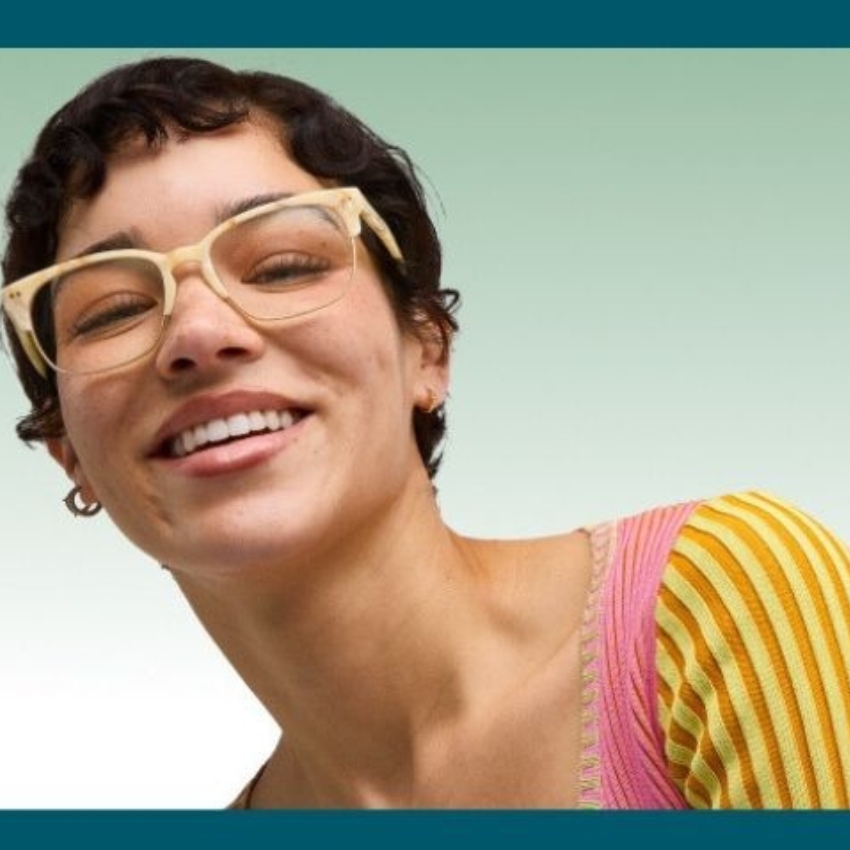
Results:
[238, 426]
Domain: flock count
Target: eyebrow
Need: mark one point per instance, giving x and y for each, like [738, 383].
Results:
[114, 242]
[245, 204]
[124, 239]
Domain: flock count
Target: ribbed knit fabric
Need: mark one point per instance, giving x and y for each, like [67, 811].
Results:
[623, 761]
[717, 660]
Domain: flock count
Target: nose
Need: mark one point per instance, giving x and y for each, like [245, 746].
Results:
[204, 333]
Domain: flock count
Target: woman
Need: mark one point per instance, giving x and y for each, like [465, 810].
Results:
[224, 298]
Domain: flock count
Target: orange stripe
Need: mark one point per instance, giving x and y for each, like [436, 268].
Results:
[824, 628]
[714, 673]
[757, 613]
[692, 786]
[802, 631]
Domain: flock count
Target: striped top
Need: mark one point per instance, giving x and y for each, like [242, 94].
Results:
[716, 660]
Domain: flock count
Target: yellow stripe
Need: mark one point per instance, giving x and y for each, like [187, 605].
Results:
[809, 583]
[680, 741]
[693, 688]
[745, 624]
[763, 616]
[750, 581]
[733, 690]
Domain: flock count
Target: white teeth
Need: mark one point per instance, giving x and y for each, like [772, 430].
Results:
[237, 425]
[217, 430]
[188, 440]
[201, 437]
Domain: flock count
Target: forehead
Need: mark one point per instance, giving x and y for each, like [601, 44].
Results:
[173, 194]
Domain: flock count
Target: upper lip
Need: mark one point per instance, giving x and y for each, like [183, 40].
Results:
[205, 408]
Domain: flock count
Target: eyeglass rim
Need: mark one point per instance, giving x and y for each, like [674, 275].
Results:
[348, 201]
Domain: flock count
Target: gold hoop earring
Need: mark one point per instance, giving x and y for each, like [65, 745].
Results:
[74, 503]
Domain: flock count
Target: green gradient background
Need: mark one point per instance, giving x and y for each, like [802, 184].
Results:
[653, 254]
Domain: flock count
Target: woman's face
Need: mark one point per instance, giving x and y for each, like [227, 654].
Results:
[347, 375]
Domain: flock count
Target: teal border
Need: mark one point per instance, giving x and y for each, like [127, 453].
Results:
[409, 830]
[439, 23]
[436, 23]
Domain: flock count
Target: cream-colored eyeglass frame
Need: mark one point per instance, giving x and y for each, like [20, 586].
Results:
[347, 201]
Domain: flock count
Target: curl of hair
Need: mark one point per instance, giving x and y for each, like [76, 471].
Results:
[157, 98]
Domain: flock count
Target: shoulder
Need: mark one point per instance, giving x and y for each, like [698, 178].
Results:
[753, 656]
[756, 556]
[756, 529]
[734, 535]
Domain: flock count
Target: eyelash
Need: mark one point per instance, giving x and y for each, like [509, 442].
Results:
[281, 269]
[120, 308]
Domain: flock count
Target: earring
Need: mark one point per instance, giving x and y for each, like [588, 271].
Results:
[74, 503]
[433, 401]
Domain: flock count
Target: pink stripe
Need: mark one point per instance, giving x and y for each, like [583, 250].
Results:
[630, 746]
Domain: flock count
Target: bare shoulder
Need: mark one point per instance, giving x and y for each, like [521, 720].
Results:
[536, 584]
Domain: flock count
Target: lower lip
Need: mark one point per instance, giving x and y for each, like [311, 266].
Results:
[236, 456]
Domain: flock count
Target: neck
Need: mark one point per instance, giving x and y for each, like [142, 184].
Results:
[369, 654]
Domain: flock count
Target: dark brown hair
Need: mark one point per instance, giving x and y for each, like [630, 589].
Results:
[147, 99]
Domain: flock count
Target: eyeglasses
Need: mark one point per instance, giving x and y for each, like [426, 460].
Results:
[276, 261]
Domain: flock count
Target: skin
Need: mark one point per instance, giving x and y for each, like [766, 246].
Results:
[409, 665]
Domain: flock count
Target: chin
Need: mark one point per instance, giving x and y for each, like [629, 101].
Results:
[238, 549]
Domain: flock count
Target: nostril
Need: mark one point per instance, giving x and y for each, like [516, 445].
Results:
[232, 351]
[182, 364]
[206, 334]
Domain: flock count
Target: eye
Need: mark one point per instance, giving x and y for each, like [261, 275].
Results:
[105, 298]
[286, 270]
[113, 314]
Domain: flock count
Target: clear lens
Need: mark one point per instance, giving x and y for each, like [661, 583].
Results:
[101, 315]
[274, 265]
[285, 263]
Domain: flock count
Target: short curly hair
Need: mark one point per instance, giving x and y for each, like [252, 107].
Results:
[146, 100]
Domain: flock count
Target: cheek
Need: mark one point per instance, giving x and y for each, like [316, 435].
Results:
[359, 338]
[378, 363]
[93, 412]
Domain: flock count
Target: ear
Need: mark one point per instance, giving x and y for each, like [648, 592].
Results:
[63, 453]
[432, 377]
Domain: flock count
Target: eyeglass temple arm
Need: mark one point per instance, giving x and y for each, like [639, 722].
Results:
[17, 317]
[31, 351]
[381, 230]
